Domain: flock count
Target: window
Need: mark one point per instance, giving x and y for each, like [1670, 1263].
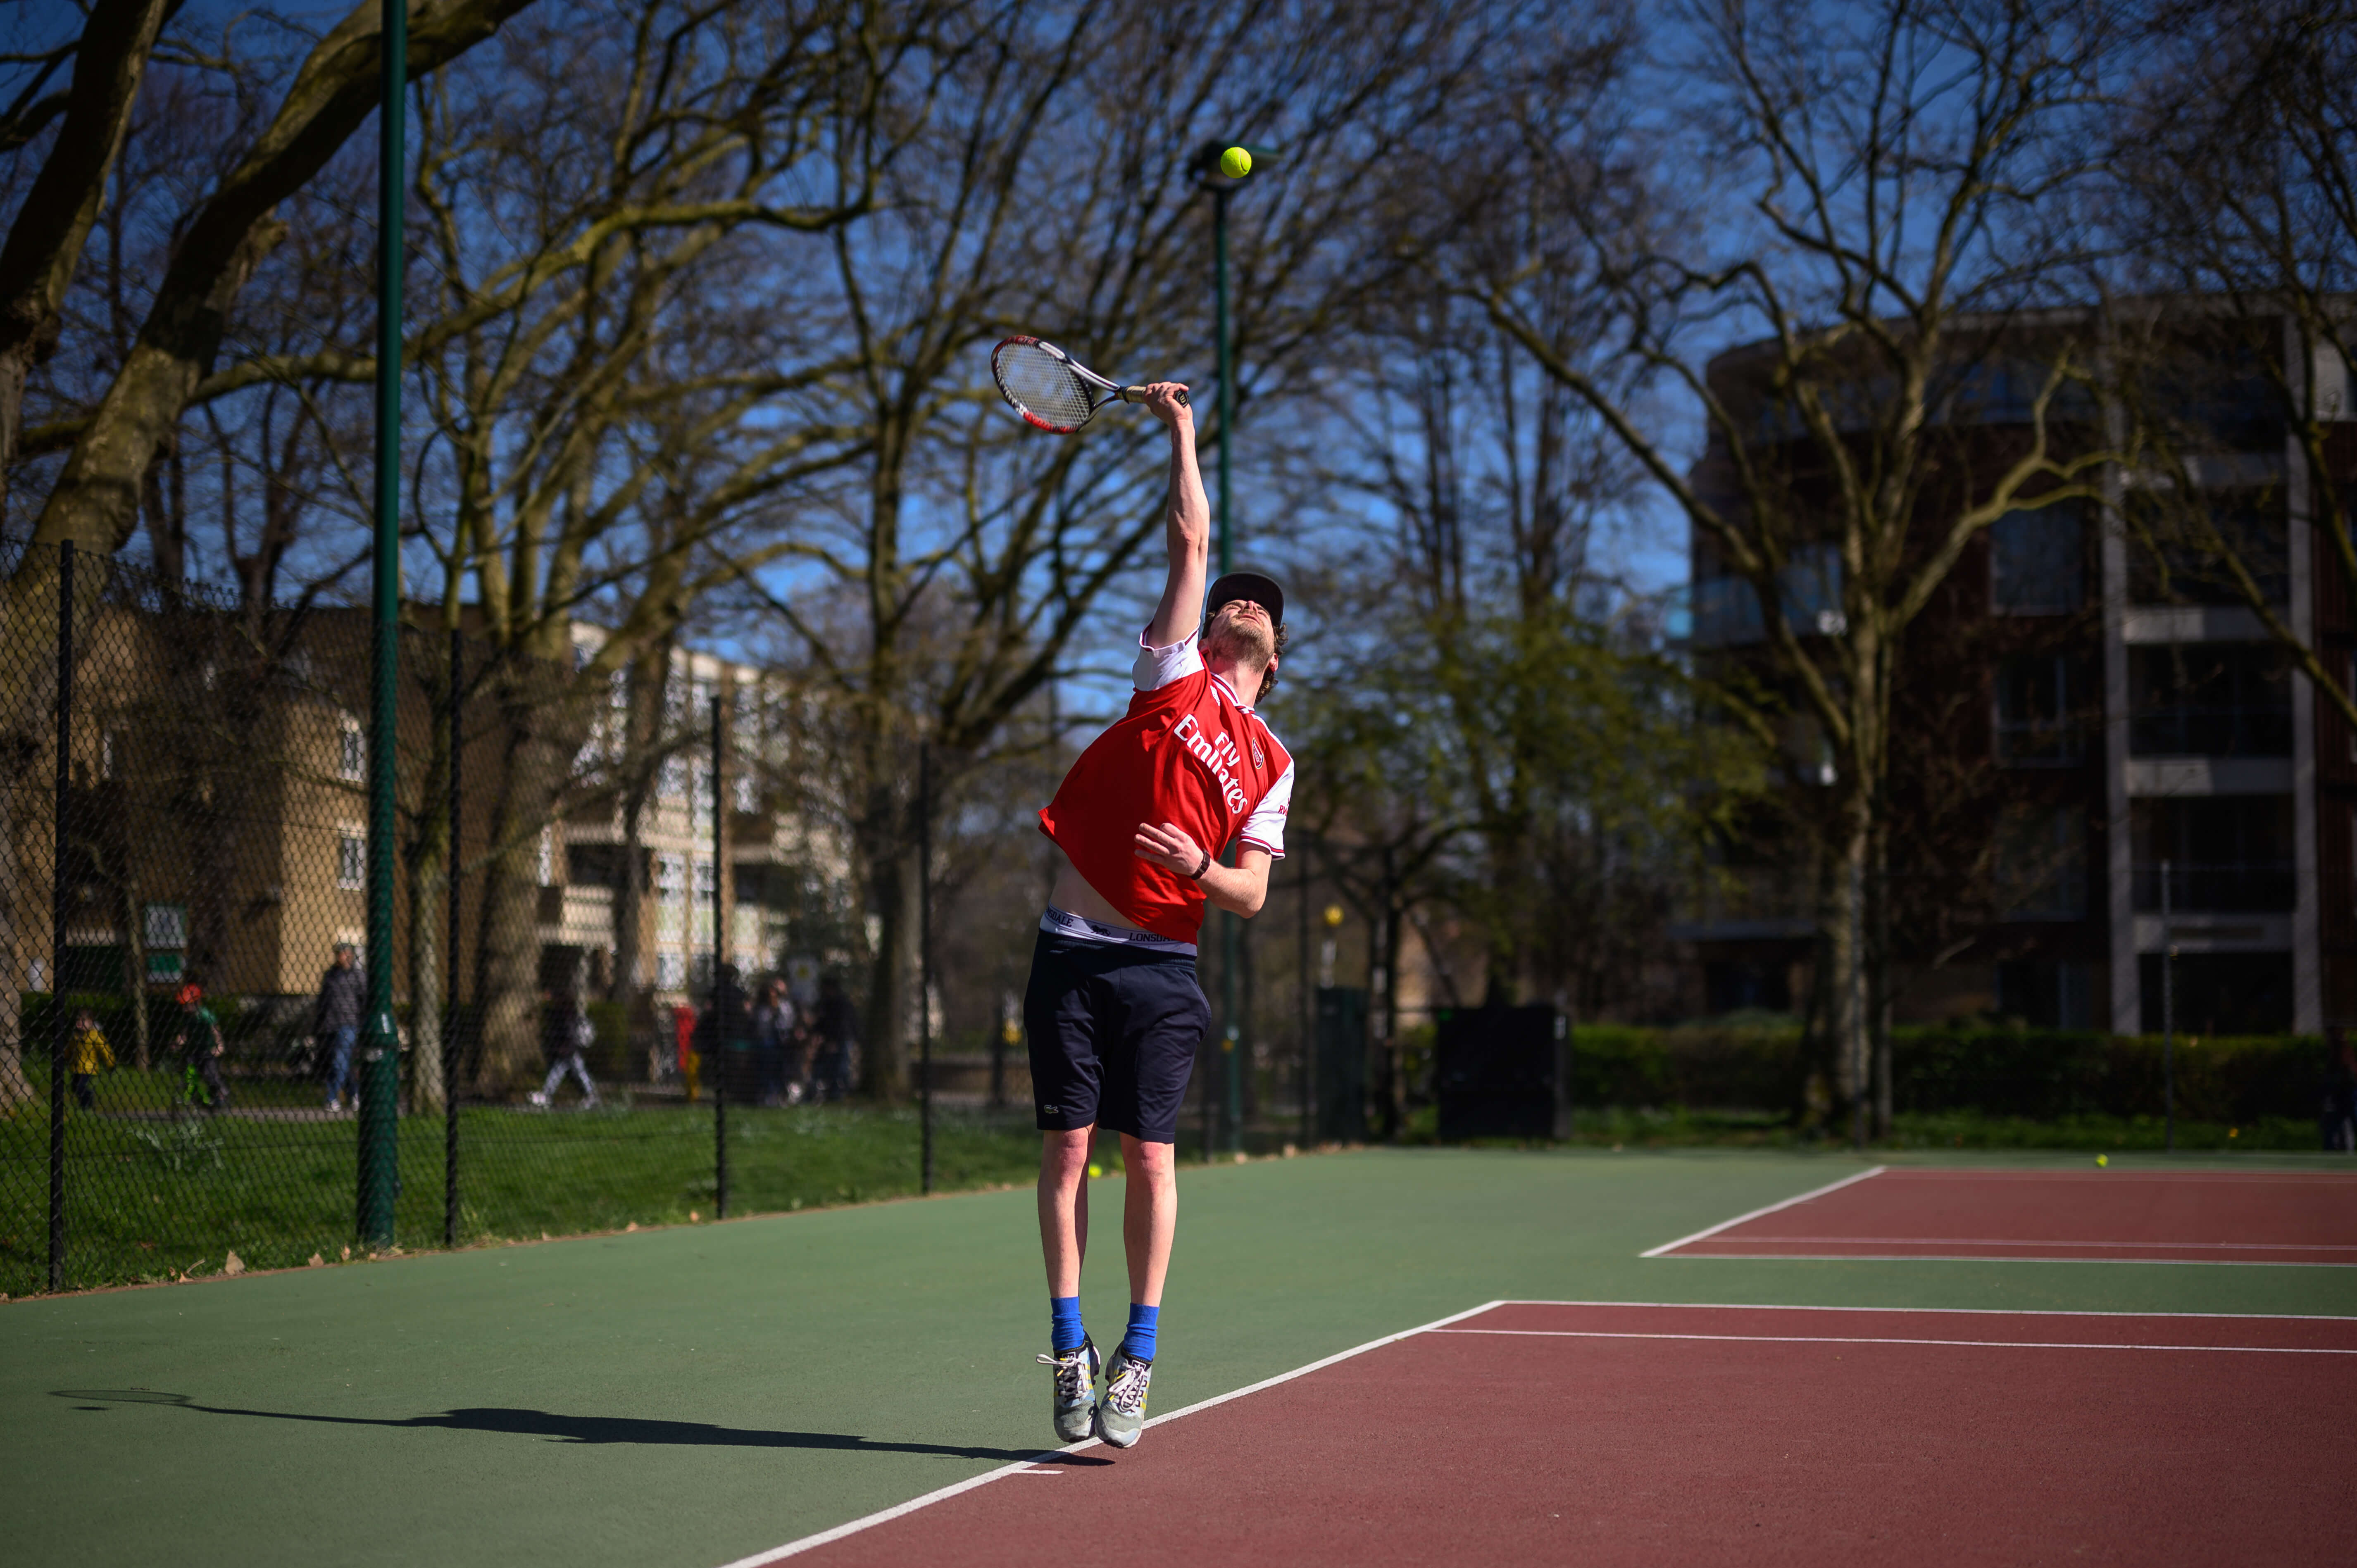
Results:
[2209, 699]
[164, 932]
[2035, 726]
[700, 912]
[670, 780]
[2224, 854]
[699, 792]
[671, 970]
[2041, 864]
[748, 790]
[2045, 993]
[545, 868]
[1726, 610]
[2038, 561]
[351, 859]
[1811, 585]
[1726, 613]
[2219, 992]
[670, 897]
[2178, 556]
[164, 926]
[351, 751]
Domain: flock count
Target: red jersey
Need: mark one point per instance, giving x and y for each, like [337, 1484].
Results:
[1187, 752]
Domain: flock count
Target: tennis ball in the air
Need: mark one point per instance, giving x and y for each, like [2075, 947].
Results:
[1095, 1171]
[1235, 163]
[2103, 1159]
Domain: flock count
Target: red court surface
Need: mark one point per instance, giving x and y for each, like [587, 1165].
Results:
[2151, 1216]
[1602, 1433]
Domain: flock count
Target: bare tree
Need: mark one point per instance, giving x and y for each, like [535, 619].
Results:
[2237, 158]
[1897, 167]
[940, 598]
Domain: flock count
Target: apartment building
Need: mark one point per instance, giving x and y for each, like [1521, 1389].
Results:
[2103, 731]
[774, 869]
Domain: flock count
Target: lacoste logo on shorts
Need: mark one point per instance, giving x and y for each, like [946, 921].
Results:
[1051, 1110]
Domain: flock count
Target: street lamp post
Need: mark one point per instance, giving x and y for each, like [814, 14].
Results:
[379, 1173]
[1208, 173]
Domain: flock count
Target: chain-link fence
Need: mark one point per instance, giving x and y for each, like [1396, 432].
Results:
[183, 868]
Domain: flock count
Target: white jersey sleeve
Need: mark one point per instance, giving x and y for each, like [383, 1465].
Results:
[1264, 829]
[1157, 666]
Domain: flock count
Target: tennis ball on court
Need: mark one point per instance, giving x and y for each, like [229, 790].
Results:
[2103, 1159]
[1235, 163]
[1095, 1171]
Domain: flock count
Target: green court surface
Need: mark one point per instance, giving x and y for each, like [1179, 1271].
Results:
[681, 1398]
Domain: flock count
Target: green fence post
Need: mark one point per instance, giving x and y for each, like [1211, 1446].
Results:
[380, 1125]
[61, 903]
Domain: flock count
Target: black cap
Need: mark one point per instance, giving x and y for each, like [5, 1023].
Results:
[1262, 591]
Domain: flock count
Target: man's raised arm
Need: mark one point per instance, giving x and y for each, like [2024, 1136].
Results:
[1190, 526]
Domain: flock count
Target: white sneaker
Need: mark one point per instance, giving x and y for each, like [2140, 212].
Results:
[537, 1098]
[1122, 1416]
[1073, 1404]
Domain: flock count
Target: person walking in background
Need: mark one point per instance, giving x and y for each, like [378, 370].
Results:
[775, 1031]
[836, 1030]
[336, 1020]
[92, 1056]
[198, 1041]
[683, 1032]
[566, 1035]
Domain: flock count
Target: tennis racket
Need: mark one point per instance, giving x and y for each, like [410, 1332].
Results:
[1051, 388]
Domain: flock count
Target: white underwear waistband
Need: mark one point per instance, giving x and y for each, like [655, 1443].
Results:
[1072, 927]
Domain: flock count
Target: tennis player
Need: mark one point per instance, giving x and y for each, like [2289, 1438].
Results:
[1114, 1012]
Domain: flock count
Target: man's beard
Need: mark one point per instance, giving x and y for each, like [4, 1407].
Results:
[1244, 641]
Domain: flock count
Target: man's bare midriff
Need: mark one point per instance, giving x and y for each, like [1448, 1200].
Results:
[1075, 896]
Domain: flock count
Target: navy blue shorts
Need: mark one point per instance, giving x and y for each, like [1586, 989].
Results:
[1114, 1032]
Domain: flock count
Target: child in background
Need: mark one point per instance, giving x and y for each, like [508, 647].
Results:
[92, 1056]
[199, 1041]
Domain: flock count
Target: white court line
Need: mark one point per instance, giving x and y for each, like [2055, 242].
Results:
[1864, 1339]
[1952, 1172]
[2000, 1257]
[1022, 1467]
[1802, 1198]
[1970, 1311]
[2021, 1241]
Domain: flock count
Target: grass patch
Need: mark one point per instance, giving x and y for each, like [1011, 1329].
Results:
[149, 1197]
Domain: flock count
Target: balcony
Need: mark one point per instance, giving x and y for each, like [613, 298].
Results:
[1749, 904]
[2222, 888]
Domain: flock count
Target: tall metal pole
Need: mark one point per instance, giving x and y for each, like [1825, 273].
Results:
[380, 1128]
[1857, 1005]
[451, 1058]
[723, 989]
[1230, 929]
[60, 901]
[1309, 1002]
[2168, 1011]
[925, 963]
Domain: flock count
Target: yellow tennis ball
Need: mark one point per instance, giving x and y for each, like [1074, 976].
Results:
[1235, 163]
[2103, 1159]
[1095, 1171]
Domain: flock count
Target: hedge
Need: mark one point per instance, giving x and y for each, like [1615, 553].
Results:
[2036, 1073]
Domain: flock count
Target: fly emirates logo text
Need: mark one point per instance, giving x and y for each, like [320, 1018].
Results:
[1219, 756]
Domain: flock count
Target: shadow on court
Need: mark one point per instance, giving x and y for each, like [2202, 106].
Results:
[593, 1429]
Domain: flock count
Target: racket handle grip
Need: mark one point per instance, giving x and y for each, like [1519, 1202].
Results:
[1138, 394]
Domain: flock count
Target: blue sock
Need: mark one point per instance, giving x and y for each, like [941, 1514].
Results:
[1065, 1331]
[1138, 1343]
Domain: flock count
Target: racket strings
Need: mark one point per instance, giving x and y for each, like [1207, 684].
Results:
[1043, 385]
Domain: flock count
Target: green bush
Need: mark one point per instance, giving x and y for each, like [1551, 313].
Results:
[2035, 1074]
